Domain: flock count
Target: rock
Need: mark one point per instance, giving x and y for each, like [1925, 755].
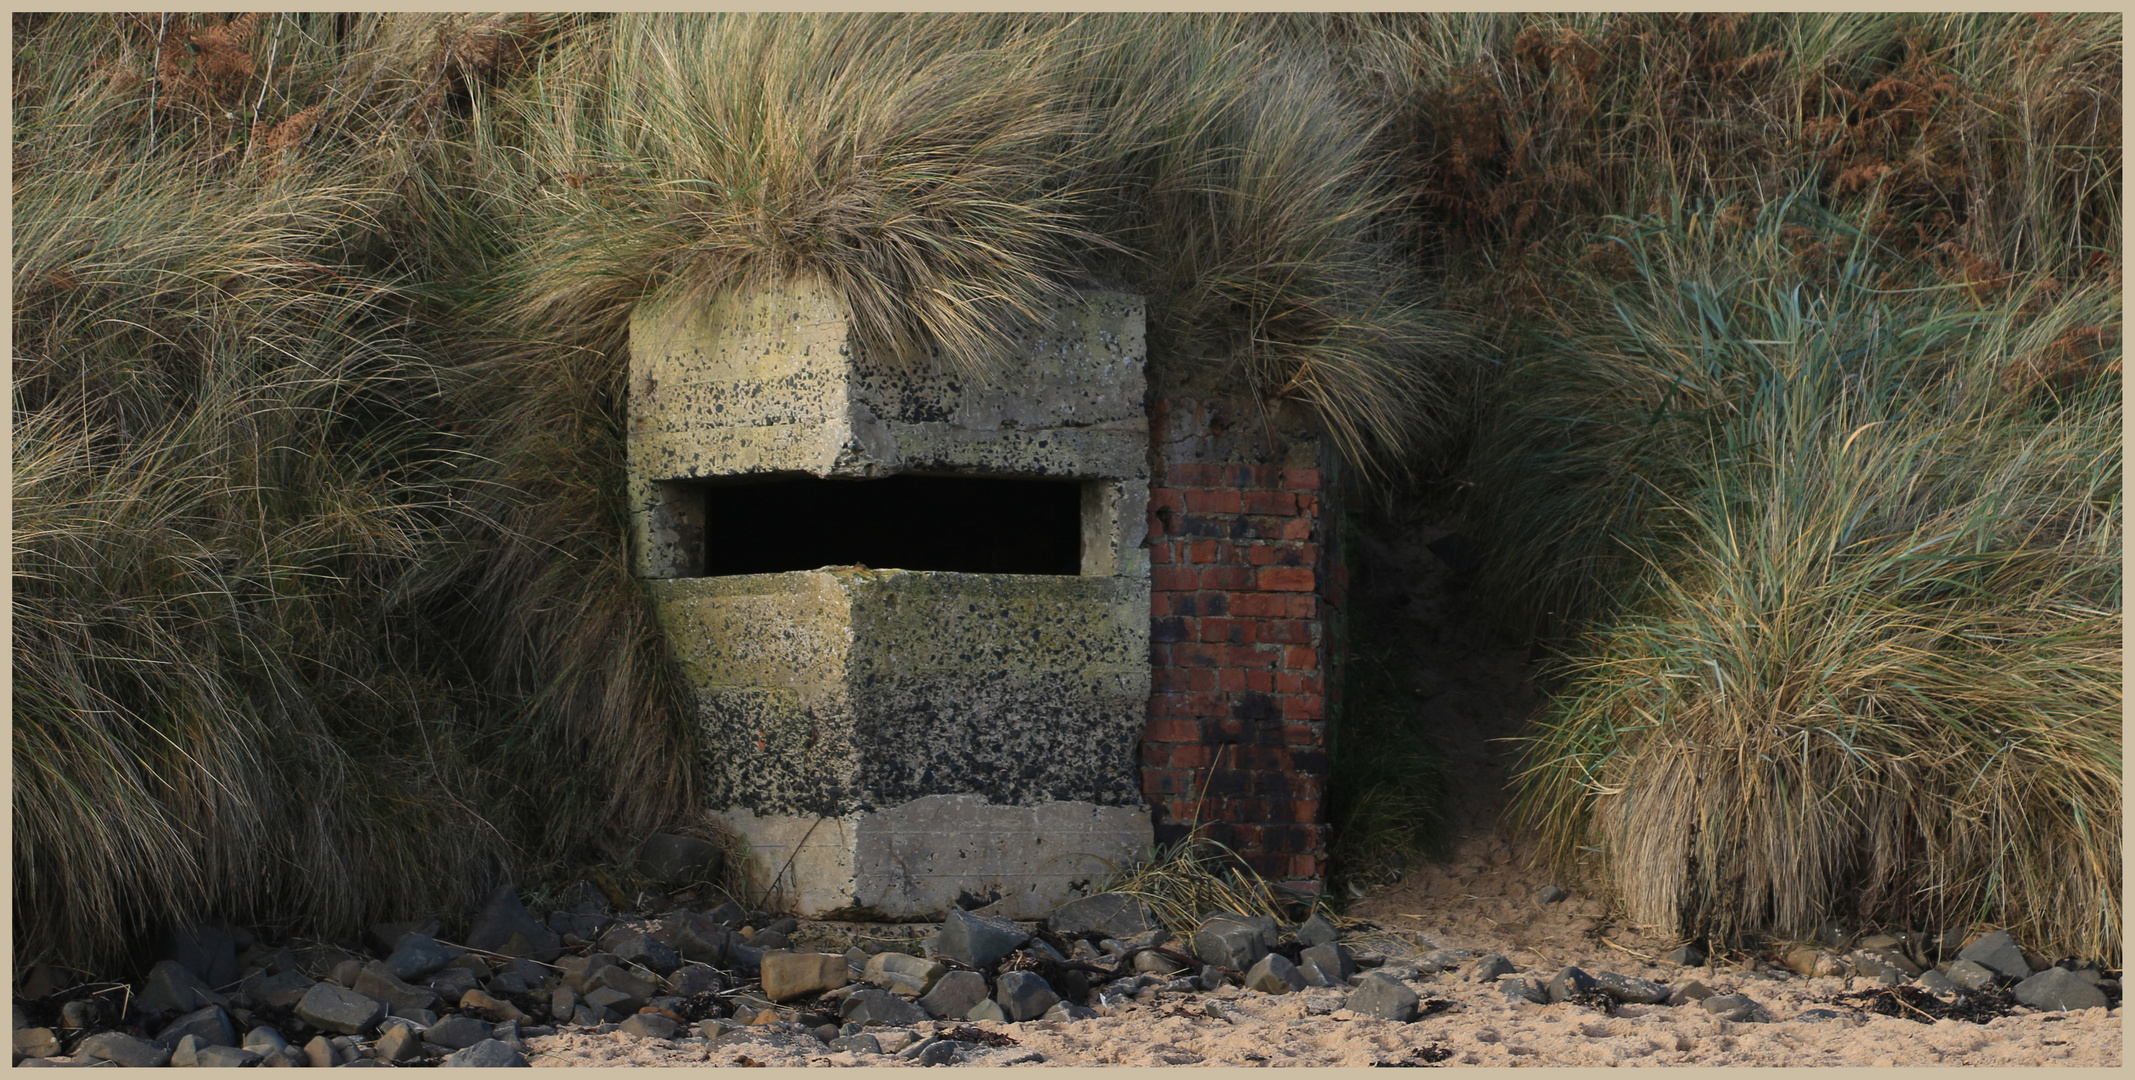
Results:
[2059, 989]
[1969, 975]
[1488, 967]
[422, 1017]
[766, 940]
[487, 1054]
[80, 1013]
[124, 1050]
[223, 1057]
[563, 1002]
[418, 955]
[481, 1005]
[1803, 960]
[264, 1040]
[1549, 894]
[1629, 990]
[901, 973]
[334, 1008]
[1274, 974]
[1115, 915]
[788, 975]
[1874, 960]
[505, 927]
[1232, 941]
[863, 1044]
[1024, 995]
[1571, 982]
[879, 1007]
[211, 1024]
[1689, 992]
[452, 983]
[1519, 989]
[1997, 951]
[649, 1026]
[1317, 931]
[1730, 1007]
[1936, 983]
[457, 1032]
[689, 980]
[206, 950]
[1156, 963]
[988, 1009]
[978, 940]
[638, 947]
[673, 860]
[282, 990]
[186, 1053]
[1377, 995]
[953, 994]
[37, 1042]
[1068, 1010]
[1812, 1015]
[171, 987]
[1326, 964]
[743, 957]
[1685, 956]
[321, 1053]
[379, 983]
[386, 937]
[617, 977]
[399, 1043]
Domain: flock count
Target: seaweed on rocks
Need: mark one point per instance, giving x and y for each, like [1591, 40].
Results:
[1912, 1003]
[970, 1034]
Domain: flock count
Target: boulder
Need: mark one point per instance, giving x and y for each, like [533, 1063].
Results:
[1689, 992]
[879, 1007]
[399, 1044]
[1685, 956]
[223, 1057]
[1274, 974]
[1970, 975]
[1488, 967]
[1317, 931]
[1730, 1007]
[172, 988]
[978, 940]
[649, 1026]
[1024, 995]
[124, 1050]
[378, 982]
[1326, 964]
[457, 1032]
[2059, 989]
[206, 950]
[1233, 941]
[480, 1004]
[1998, 952]
[1630, 991]
[418, 955]
[901, 973]
[953, 994]
[1387, 999]
[333, 1008]
[1572, 982]
[642, 949]
[1521, 989]
[487, 1054]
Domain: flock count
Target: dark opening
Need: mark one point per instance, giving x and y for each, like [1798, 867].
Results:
[969, 524]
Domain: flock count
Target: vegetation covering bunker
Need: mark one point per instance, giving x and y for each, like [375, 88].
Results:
[901, 741]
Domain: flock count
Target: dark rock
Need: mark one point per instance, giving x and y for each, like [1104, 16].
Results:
[1550, 894]
[978, 940]
[1488, 967]
[1686, 956]
[674, 860]
[1730, 1007]
[1689, 992]
[322, 1053]
[856, 1044]
[172, 988]
[1232, 941]
[511, 982]
[264, 1040]
[386, 937]
[644, 950]
[1326, 964]
[1387, 999]
[1936, 983]
[879, 1007]
[953, 995]
[1114, 915]
[728, 915]
[452, 982]
[487, 1054]
[223, 1057]
[743, 957]
[378, 983]
[563, 1002]
[473, 965]
[418, 955]
[1572, 982]
[617, 977]
[1970, 975]
[346, 973]
[649, 1026]
[282, 990]
[2059, 989]
[42, 981]
[1629, 990]
[80, 1013]
[1317, 931]
[481, 1005]
[333, 1008]
[37, 1042]
[505, 927]
[701, 938]
[1522, 990]
[399, 1044]
[786, 925]
[1274, 974]
[457, 1032]
[689, 980]
[902, 973]
[211, 1024]
[1068, 1010]
[766, 940]
[125, 1050]
[1024, 995]
[608, 1002]
[422, 1017]
[206, 950]
[1999, 952]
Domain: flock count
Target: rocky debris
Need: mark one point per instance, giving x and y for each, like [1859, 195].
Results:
[879, 1007]
[504, 926]
[1936, 983]
[1735, 1007]
[1969, 975]
[1112, 915]
[482, 1005]
[902, 973]
[640, 948]
[1234, 941]
[1326, 964]
[1516, 988]
[1685, 956]
[487, 1054]
[1629, 990]
[1998, 952]
[1385, 998]
[978, 940]
[1316, 930]
[172, 988]
[2060, 989]
[953, 994]
[1274, 974]
[417, 955]
[862, 1043]
[788, 975]
[333, 1008]
[379, 983]
[125, 1050]
[1877, 959]
[1572, 984]
[1488, 967]
[1689, 992]
[36, 1042]
[210, 1025]
[1024, 995]
[207, 950]
[649, 1026]
[458, 1032]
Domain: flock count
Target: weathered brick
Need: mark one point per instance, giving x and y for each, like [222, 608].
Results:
[1164, 498]
[1283, 632]
[1174, 578]
[1214, 500]
[1201, 654]
[1302, 707]
[1234, 631]
[1159, 550]
[1291, 682]
[1301, 606]
[1294, 657]
[1192, 474]
[1231, 680]
[1226, 577]
[1203, 705]
[1164, 781]
[1283, 579]
[1301, 479]
[1168, 679]
[1297, 528]
[1270, 502]
[1202, 679]
[1260, 605]
[1190, 755]
[1249, 656]
[1260, 681]
[1172, 629]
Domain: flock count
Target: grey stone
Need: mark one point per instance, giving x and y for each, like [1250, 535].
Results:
[1630, 990]
[2060, 989]
[122, 1049]
[649, 1026]
[1813, 1015]
[941, 1052]
[988, 1009]
[1115, 915]
[1326, 964]
[863, 1043]
[1936, 983]
[979, 940]
[186, 1052]
[1686, 956]
[206, 950]
[689, 980]
[1875, 961]
[1999, 952]
[224, 1057]
[672, 859]
[1689, 992]
[1024, 995]
[702, 939]
[1521, 989]
[452, 983]
[637, 987]
[171, 987]
[482, 1006]
[1488, 967]
[1274, 974]
[1730, 1007]
[1970, 975]
[322, 1053]
[79, 1013]
[37, 1042]
[487, 1054]
[1231, 941]
[457, 1032]
[1387, 999]
[281, 990]
[418, 955]
[211, 1024]
[1068, 1010]
[399, 1044]
[609, 1000]
[504, 926]
[902, 973]
[1571, 981]
[264, 1040]
[954, 994]
[638, 947]
[386, 937]
[379, 983]
[1156, 963]
[1317, 931]
[335, 1008]
[742, 956]
[879, 1007]
[288, 1057]
[1550, 894]
[512, 982]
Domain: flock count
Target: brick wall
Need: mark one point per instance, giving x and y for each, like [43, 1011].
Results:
[1243, 581]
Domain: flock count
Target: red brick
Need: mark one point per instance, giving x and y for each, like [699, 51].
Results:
[1173, 578]
[1304, 866]
[1192, 474]
[1260, 682]
[1290, 682]
[1191, 755]
[1263, 555]
[1204, 705]
[1280, 631]
[1232, 680]
[1198, 654]
[1263, 604]
[1225, 577]
[1266, 476]
[1234, 631]
[1301, 606]
[1164, 781]
[1164, 498]
[1283, 579]
[1212, 603]
[1270, 502]
[1249, 656]
[1302, 707]
[1301, 479]
[1294, 657]
[1201, 551]
[1200, 678]
[1214, 501]
[1164, 677]
[1297, 528]
[1172, 729]
[1229, 554]
[1302, 734]
[1159, 550]
[1304, 810]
